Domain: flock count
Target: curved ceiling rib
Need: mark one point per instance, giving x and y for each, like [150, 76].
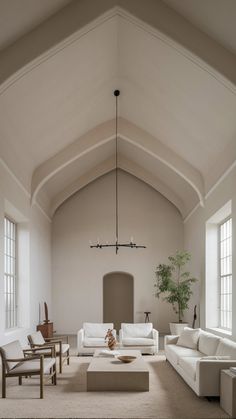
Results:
[108, 166]
[129, 133]
[164, 93]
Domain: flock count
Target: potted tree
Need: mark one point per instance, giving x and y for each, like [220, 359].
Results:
[175, 282]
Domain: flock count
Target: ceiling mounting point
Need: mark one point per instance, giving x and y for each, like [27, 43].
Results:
[116, 93]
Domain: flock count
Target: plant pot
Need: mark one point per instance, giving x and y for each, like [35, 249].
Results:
[176, 328]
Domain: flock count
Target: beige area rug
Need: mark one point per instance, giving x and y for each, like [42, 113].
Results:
[169, 397]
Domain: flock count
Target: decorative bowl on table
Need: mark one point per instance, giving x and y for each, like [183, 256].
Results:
[126, 358]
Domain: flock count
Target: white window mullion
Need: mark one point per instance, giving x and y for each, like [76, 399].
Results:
[10, 273]
[225, 267]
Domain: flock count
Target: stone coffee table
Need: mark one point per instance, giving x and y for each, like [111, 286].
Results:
[106, 373]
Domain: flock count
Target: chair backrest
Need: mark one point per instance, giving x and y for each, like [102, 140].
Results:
[137, 330]
[36, 338]
[96, 330]
[11, 350]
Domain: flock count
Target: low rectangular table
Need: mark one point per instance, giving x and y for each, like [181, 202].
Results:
[106, 373]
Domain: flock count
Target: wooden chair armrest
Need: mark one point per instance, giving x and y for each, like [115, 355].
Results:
[29, 358]
[50, 347]
[53, 342]
[59, 337]
[38, 349]
[38, 345]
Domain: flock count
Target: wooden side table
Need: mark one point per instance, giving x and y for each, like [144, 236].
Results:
[46, 329]
[228, 392]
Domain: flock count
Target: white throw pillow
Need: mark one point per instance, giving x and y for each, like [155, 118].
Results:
[227, 347]
[96, 330]
[189, 338]
[208, 343]
[137, 330]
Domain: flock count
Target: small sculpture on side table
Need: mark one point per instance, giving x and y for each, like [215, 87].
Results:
[111, 340]
[46, 328]
[46, 313]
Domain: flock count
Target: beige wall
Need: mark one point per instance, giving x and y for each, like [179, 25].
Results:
[78, 270]
[195, 231]
[34, 256]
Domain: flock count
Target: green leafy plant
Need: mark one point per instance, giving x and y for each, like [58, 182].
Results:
[175, 282]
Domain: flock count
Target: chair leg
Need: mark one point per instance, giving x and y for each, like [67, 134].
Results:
[41, 377]
[55, 374]
[52, 376]
[60, 363]
[68, 357]
[3, 383]
[20, 381]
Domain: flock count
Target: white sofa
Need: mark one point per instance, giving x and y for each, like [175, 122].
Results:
[200, 359]
[92, 336]
[140, 336]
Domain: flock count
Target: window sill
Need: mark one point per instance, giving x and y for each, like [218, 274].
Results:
[220, 332]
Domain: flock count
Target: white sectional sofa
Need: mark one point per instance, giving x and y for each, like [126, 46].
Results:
[199, 357]
[139, 336]
[91, 337]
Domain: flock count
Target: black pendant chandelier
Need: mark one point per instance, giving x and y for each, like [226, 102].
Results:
[117, 245]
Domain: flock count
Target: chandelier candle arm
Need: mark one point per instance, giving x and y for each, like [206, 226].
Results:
[117, 245]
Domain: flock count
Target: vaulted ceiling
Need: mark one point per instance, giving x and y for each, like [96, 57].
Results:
[177, 125]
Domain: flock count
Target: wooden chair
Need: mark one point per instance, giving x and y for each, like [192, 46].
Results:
[37, 341]
[24, 363]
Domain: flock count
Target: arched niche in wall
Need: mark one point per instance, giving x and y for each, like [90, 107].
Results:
[118, 298]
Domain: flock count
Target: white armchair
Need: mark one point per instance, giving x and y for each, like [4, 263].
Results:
[140, 336]
[92, 336]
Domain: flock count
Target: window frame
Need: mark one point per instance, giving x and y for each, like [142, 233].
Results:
[222, 222]
[14, 324]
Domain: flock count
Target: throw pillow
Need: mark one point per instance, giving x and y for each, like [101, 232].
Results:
[189, 338]
[208, 343]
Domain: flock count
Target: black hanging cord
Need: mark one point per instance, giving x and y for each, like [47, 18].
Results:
[117, 245]
[117, 93]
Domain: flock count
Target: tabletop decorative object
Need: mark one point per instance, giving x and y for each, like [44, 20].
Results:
[110, 339]
[126, 358]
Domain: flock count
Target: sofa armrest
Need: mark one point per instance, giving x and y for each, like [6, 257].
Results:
[170, 339]
[120, 335]
[155, 336]
[208, 375]
[80, 339]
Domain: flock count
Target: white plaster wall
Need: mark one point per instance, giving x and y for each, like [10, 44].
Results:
[194, 236]
[78, 270]
[34, 244]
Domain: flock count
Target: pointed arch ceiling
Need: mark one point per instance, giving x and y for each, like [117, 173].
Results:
[176, 110]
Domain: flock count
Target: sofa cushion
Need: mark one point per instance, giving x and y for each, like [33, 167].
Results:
[137, 330]
[64, 348]
[37, 338]
[138, 342]
[227, 347]
[94, 342]
[96, 330]
[189, 366]
[189, 338]
[208, 343]
[34, 366]
[176, 352]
